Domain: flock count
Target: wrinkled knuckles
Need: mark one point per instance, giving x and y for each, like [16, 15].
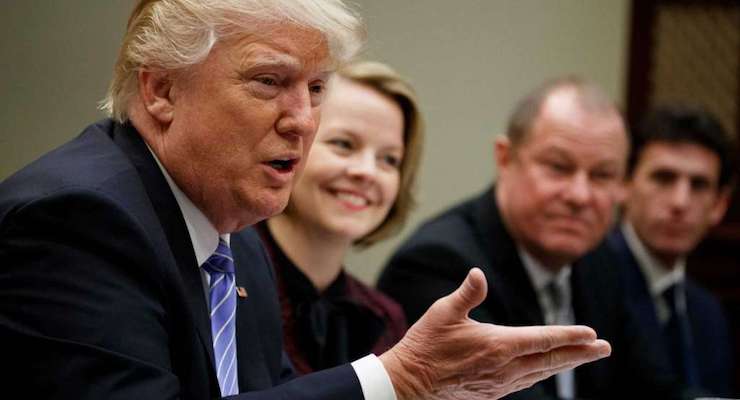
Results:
[501, 354]
[551, 360]
[500, 381]
[549, 340]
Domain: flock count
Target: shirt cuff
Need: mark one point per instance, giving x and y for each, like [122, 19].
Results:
[374, 380]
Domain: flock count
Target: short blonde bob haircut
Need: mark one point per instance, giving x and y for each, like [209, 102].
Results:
[176, 34]
[388, 82]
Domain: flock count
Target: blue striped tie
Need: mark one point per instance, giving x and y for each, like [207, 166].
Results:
[222, 296]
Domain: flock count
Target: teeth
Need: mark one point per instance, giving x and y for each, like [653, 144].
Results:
[352, 199]
[280, 164]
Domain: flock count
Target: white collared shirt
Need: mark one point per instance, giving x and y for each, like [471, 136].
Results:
[374, 380]
[540, 278]
[657, 275]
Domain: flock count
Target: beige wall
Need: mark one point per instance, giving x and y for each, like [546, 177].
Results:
[469, 60]
[57, 57]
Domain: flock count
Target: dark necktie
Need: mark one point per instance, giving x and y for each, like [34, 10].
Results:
[677, 334]
[557, 297]
[222, 297]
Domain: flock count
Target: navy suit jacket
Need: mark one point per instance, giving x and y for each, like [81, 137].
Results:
[437, 257]
[101, 296]
[709, 329]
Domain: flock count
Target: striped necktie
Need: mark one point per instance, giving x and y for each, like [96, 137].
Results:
[222, 301]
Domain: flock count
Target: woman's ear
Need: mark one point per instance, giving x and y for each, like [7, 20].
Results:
[155, 91]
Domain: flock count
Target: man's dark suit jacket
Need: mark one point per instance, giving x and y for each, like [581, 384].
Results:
[712, 349]
[436, 259]
[101, 296]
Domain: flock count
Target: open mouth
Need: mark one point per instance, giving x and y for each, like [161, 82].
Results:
[283, 165]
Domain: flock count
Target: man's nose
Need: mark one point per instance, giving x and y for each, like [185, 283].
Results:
[578, 191]
[680, 194]
[298, 116]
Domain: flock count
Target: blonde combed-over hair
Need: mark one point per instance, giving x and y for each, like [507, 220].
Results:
[176, 34]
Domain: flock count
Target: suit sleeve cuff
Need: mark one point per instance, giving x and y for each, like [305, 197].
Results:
[374, 380]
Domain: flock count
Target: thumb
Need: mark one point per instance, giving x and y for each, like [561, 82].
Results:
[470, 294]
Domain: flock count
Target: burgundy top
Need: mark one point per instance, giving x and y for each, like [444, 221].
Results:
[321, 330]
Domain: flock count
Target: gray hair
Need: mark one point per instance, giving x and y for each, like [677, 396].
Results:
[175, 34]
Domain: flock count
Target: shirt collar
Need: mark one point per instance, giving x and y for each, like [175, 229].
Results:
[203, 234]
[541, 276]
[658, 276]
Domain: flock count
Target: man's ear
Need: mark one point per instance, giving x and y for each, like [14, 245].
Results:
[502, 151]
[720, 205]
[155, 91]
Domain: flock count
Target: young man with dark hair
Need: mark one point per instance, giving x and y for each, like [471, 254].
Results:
[678, 187]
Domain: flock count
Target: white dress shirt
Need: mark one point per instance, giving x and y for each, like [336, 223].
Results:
[374, 379]
[658, 276]
[541, 277]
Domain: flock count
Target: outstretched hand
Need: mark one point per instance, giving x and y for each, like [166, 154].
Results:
[447, 355]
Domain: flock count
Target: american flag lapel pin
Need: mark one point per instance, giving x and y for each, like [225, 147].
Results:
[241, 292]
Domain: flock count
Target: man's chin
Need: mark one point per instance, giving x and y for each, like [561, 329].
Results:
[569, 251]
[674, 250]
[265, 206]
[556, 254]
[274, 208]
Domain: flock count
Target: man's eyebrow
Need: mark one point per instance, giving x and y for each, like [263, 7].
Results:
[282, 62]
[271, 61]
[251, 55]
[663, 171]
[608, 164]
[555, 150]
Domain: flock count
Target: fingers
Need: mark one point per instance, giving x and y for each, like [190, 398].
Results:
[468, 295]
[542, 365]
[527, 370]
[529, 380]
[539, 339]
[534, 377]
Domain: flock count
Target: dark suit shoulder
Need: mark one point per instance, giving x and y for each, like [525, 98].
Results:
[78, 162]
[604, 261]
[457, 219]
[707, 313]
[453, 237]
[95, 279]
[701, 296]
[434, 260]
[90, 166]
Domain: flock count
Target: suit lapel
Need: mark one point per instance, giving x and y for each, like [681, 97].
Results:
[173, 225]
[509, 282]
[251, 359]
[639, 296]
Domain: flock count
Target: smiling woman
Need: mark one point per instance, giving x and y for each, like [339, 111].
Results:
[356, 189]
